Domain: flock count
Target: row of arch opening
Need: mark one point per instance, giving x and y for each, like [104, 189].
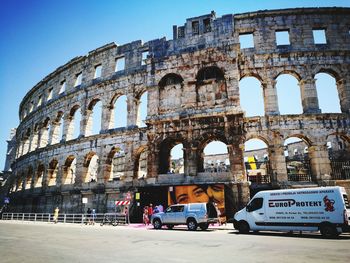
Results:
[213, 157]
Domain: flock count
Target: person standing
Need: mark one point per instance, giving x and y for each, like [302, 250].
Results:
[55, 215]
[150, 212]
[155, 210]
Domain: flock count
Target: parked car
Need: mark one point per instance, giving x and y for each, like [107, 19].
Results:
[324, 209]
[192, 215]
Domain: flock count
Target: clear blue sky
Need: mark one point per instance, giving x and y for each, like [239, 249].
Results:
[37, 36]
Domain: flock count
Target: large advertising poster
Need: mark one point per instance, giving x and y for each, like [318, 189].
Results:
[183, 194]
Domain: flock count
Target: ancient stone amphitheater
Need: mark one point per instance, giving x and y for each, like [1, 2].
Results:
[193, 98]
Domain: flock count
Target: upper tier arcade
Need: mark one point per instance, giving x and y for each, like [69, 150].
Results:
[197, 34]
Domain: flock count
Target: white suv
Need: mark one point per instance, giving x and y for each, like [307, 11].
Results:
[192, 215]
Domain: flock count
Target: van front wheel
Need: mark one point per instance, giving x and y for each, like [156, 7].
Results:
[328, 231]
[243, 227]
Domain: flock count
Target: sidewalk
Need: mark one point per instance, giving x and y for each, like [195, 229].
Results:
[132, 225]
[211, 227]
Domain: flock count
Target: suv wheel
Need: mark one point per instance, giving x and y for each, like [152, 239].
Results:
[157, 224]
[243, 227]
[204, 226]
[192, 224]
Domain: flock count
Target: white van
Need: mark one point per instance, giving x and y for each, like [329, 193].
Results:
[306, 209]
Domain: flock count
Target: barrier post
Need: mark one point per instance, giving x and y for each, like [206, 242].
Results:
[128, 214]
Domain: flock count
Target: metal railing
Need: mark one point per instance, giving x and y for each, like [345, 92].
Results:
[258, 172]
[340, 170]
[300, 177]
[64, 218]
[298, 169]
[260, 178]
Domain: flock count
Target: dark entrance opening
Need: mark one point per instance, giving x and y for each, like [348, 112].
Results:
[155, 195]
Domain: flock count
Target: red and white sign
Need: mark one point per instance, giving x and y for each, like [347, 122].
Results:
[122, 202]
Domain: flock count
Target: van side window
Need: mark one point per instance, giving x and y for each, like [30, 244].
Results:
[346, 200]
[256, 204]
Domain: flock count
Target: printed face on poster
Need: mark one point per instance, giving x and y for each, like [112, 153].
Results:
[183, 194]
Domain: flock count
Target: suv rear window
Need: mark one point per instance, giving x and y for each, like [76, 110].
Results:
[346, 200]
[195, 207]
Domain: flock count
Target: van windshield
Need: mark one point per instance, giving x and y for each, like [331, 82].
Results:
[346, 200]
[255, 204]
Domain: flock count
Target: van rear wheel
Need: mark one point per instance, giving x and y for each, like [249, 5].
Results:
[328, 231]
[243, 227]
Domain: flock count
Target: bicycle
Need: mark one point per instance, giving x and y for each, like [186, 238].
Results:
[110, 219]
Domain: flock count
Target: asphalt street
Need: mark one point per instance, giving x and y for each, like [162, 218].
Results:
[47, 242]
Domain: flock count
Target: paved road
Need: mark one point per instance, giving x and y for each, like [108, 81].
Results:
[44, 242]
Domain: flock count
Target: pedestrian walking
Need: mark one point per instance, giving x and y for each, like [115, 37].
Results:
[55, 215]
[88, 212]
[93, 215]
[218, 214]
[126, 213]
[145, 216]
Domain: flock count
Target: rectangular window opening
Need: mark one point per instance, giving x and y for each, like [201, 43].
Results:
[78, 79]
[120, 64]
[144, 57]
[282, 38]
[39, 101]
[49, 94]
[319, 36]
[98, 71]
[195, 27]
[181, 32]
[246, 40]
[31, 106]
[207, 25]
[63, 87]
